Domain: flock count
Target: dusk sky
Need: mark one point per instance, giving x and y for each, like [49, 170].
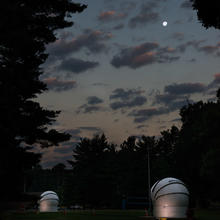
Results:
[118, 70]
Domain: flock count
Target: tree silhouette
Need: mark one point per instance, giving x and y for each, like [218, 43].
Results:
[26, 28]
[208, 12]
[197, 149]
[94, 172]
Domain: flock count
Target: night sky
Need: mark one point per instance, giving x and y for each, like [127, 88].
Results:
[118, 70]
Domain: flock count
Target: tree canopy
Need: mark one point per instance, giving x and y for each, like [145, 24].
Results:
[26, 28]
[190, 153]
[207, 12]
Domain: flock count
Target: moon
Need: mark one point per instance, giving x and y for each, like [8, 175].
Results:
[165, 23]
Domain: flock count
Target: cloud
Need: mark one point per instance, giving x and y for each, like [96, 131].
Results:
[127, 98]
[175, 96]
[186, 4]
[66, 149]
[184, 88]
[178, 36]
[146, 114]
[193, 43]
[137, 101]
[207, 49]
[100, 84]
[108, 16]
[93, 100]
[88, 109]
[91, 128]
[122, 94]
[171, 102]
[144, 54]
[142, 126]
[215, 83]
[59, 85]
[118, 27]
[146, 15]
[93, 40]
[77, 65]
[75, 134]
[91, 105]
[167, 98]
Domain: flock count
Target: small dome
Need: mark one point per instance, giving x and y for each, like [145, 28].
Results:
[170, 198]
[49, 195]
[49, 201]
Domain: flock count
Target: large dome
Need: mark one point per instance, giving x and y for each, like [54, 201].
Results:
[49, 201]
[170, 198]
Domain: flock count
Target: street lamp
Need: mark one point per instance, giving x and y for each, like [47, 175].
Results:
[149, 189]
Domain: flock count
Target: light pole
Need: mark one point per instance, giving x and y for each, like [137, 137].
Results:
[149, 190]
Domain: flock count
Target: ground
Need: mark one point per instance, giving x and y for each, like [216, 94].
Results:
[100, 215]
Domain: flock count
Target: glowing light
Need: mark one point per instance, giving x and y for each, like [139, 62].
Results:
[165, 23]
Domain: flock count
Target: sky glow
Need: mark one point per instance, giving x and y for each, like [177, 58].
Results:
[117, 71]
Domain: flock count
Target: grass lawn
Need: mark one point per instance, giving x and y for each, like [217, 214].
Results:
[101, 215]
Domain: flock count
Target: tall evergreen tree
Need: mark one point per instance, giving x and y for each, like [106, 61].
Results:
[198, 147]
[207, 12]
[26, 28]
[94, 172]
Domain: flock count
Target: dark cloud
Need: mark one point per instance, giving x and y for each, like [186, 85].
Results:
[143, 19]
[176, 96]
[143, 115]
[186, 4]
[93, 40]
[118, 27]
[91, 128]
[137, 101]
[59, 85]
[207, 49]
[167, 98]
[176, 120]
[172, 102]
[176, 105]
[91, 105]
[93, 100]
[184, 88]
[124, 95]
[75, 134]
[192, 60]
[127, 98]
[215, 83]
[77, 65]
[178, 36]
[88, 109]
[108, 16]
[146, 15]
[100, 84]
[65, 149]
[144, 54]
[193, 43]
[142, 126]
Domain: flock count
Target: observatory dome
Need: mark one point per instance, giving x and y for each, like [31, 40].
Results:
[170, 198]
[49, 202]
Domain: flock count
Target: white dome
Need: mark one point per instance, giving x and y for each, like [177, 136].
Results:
[170, 198]
[49, 201]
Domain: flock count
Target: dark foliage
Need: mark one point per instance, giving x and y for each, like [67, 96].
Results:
[102, 175]
[207, 12]
[198, 148]
[94, 172]
[26, 27]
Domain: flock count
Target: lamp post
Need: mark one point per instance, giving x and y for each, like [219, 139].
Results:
[149, 190]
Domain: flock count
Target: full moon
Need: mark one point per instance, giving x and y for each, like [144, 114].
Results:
[165, 23]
